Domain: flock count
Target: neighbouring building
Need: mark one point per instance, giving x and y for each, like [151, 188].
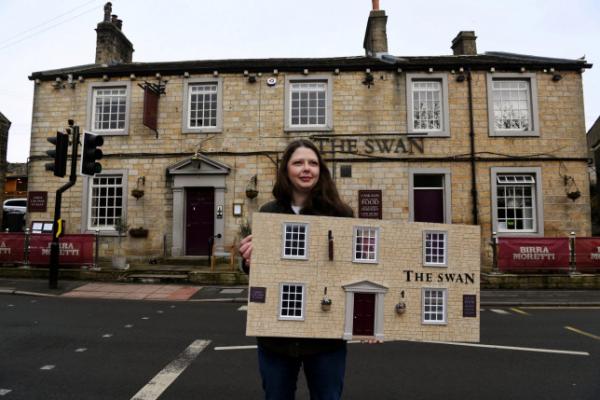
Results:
[493, 139]
[15, 184]
[593, 140]
[4, 127]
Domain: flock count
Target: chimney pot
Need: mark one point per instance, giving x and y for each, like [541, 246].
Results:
[375, 4]
[464, 44]
[112, 46]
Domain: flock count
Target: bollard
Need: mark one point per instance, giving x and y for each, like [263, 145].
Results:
[96, 253]
[495, 253]
[572, 262]
[26, 255]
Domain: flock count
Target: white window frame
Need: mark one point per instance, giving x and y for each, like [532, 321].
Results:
[328, 125]
[306, 240]
[444, 241]
[303, 301]
[91, 109]
[538, 203]
[355, 244]
[86, 203]
[530, 78]
[447, 191]
[185, 126]
[444, 130]
[444, 297]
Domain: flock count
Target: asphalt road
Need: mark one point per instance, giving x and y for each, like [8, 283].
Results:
[60, 348]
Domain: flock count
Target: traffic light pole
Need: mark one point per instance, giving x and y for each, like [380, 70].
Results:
[57, 226]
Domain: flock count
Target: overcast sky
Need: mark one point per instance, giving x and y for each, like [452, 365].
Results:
[37, 35]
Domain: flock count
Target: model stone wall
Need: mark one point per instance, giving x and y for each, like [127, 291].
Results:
[253, 121]
[398, 276]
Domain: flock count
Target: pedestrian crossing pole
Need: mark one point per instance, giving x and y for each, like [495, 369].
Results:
[57, 226]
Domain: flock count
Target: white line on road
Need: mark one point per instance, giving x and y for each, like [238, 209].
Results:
[499, 311]
[531, 349]
[80, 350]
[107, 335]
[129, 326]
[4, 392]
[47, 367]
[236, 347]
[243, 308]
[145, 318]
[590, 335]
[167, 376]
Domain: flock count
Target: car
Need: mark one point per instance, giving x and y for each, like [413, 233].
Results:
[15, 205]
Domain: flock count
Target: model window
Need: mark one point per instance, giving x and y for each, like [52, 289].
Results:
[365, 244]
[202, 102]
[105, 205]
[434, 306]
[427, 101]
[512, 104]
[435, 248]
[292, 301]
[295, 242]
[109, 108]
[515, 200]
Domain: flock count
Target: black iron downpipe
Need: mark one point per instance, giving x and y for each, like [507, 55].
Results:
[474, 193]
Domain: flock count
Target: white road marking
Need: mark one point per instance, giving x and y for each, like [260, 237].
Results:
[33, 301]
[47, 367]
[159, 311]
[145, 318]
[107, 335]
[518, 311]
[236, 347]
[167, 376]
[482, 309]
[530, 349]
[11, 305]
[172, 306]
[129, 326]
[4, 392]
[231, 291]
[499, 311]
[243, 308]
[80, 350]
[590, 335]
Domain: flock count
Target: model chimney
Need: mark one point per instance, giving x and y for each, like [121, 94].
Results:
[112, 47]
[376, 36]
[464, 44]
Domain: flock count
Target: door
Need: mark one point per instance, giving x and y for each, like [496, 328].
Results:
[200, 220]
[428, 200]
[364, 314]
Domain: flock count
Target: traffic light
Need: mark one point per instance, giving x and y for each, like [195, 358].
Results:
[59, 153]
[91, 153]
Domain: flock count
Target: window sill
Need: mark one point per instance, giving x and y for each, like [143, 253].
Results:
[514, 134]
[308, 129]
[204, 130]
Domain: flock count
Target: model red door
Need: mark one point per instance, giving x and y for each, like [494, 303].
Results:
[200, 219]
[364, 314]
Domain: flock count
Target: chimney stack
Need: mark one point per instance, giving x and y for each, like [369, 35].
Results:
[376, 35]
[464, 44]
[112, 46]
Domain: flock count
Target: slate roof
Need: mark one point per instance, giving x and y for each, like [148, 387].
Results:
[498, 60]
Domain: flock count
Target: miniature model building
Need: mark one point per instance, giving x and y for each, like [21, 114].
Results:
[324, 277]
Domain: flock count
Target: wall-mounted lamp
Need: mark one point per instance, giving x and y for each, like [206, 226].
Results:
[556, 77]
[461, 78]
[215, 73]
[105, 78]
[305, 72]
[186, 74]
[368, 79]
[252, 78]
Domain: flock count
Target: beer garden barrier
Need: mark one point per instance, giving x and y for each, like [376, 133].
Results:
[34, 249]
[545, 254]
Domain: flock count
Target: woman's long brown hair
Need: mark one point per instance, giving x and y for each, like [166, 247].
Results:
[324, 198]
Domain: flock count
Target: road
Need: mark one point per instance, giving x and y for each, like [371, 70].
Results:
[69, 348]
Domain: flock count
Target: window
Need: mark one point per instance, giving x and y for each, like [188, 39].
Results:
[427, 103]
[295, 241]
[365, 244]
[429, 199]
[512, 103]
[434, 306]
[109, 104]
[435, 248]
[308, 104]
[516, 200]
[291, 304]
[105, 203]
[202, 109]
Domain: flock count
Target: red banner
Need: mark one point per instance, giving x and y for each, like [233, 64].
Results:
[587, 254]
[533, 253]
[12, 248]
[75, 250]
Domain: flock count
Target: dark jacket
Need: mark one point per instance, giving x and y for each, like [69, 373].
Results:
[295, 347]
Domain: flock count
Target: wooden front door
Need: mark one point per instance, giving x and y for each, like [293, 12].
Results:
[200, 220]
[364, 314]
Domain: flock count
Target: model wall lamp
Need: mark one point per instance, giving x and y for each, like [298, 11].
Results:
[369, 80]
[330, 242]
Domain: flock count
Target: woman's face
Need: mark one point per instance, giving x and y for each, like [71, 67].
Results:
[303, 169]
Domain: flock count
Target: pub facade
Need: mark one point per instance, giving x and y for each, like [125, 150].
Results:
[191, 148]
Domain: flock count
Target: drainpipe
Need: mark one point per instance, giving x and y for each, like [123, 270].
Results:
[475, 210]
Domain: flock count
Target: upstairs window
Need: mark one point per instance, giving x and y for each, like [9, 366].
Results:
[427, 100]
[435, 248]
[512, 103]
[108, 110]
[308, 104]
[203, 105]
[366, 241]
[295, 243]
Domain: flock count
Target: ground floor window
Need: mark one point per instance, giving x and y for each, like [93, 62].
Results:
[105, 205]
[291, 305]
[434, 306]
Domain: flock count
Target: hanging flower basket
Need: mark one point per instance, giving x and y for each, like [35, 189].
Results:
[138, 232]
[326, 304]
[400, 308]
[574, 195]
[251, 193]
[137, 193]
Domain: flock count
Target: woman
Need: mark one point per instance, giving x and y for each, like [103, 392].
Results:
[303, 186]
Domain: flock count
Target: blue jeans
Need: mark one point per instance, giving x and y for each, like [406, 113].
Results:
[324, 374]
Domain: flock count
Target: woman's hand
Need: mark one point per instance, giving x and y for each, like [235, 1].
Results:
[246, 249]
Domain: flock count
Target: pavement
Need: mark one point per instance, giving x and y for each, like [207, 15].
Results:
[239, 294]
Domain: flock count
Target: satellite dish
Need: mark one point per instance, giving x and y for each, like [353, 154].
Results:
[271, 81]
